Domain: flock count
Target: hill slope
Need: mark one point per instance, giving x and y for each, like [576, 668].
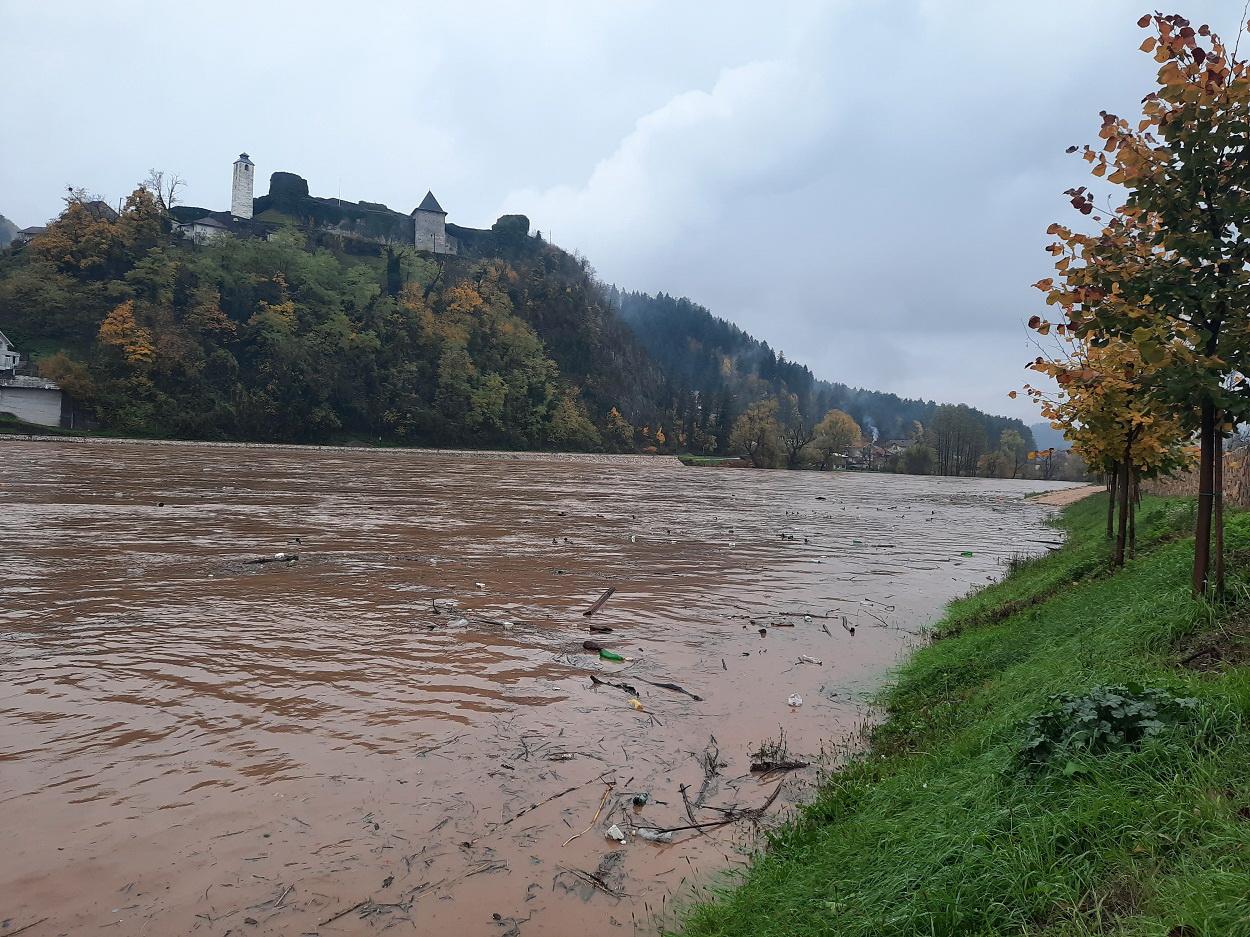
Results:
[1047, 437]
[313, 336]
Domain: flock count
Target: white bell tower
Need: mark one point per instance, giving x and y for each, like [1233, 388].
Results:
[241, 189]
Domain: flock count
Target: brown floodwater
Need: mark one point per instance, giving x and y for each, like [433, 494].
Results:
[399, 729]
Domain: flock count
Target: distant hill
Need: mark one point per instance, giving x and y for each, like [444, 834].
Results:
[1045, 437]
[710, 362]
[8, 230]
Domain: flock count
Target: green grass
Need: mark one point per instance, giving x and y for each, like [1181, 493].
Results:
[10, 425]
[687, 458]
[934, 831]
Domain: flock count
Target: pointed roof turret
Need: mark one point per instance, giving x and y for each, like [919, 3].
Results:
[429, 203]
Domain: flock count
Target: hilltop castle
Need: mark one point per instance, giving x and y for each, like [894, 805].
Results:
[288, 202]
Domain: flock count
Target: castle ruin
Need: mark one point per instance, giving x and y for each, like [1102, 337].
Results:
[289, 202]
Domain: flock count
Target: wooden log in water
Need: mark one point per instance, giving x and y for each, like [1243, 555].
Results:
[600, 601]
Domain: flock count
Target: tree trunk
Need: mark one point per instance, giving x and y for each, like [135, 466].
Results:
[1122, 493]
[1132, 515]
[1206, 490]
[1218, 512]
[1115, 473]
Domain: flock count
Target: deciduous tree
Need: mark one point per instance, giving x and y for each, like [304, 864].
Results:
[756, 434]
[1167, 268]
[836, 435]
[122, 331]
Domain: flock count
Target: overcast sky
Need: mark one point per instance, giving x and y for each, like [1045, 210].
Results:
[865, 185]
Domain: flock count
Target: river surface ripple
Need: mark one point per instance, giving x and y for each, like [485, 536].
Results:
[401, 724]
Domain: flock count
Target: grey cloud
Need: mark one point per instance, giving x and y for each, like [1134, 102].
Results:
[864, 184]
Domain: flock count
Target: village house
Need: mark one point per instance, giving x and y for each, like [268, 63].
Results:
[31, 399]
[9, 358]
[203, 229]
[100, 210]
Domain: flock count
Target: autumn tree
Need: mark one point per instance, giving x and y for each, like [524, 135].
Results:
[73, 376]
[80, 241]
[618, 432]
[756, 434]
[205, 314]
[1012, 452]
[1106, 406]
[122, 331]
[89, 239]
[836, 435]
[1174, 254]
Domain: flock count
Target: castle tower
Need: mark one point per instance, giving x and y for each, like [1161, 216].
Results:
[241, 189]
[430, 226]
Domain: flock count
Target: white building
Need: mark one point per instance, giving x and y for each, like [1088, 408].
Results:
[429, 223]
[31, 399]
[203, 229]
[9, 358]
[242, 187]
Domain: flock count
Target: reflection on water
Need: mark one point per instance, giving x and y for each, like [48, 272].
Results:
[186, 738]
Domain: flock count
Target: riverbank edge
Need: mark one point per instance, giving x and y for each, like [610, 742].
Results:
[75, 438]
[933, 830]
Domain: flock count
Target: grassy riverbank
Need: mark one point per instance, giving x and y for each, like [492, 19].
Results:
[941, 831]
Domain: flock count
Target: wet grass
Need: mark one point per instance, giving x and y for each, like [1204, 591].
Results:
[935, 831]
[710, 461]
[10, 425]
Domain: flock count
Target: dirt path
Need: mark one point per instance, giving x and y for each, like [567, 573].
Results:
[1065, 496]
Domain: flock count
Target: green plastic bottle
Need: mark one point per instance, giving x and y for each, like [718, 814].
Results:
[605, 654]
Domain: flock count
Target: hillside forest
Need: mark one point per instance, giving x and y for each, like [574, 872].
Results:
[307, 337]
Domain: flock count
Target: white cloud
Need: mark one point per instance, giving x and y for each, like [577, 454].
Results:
[687, 166]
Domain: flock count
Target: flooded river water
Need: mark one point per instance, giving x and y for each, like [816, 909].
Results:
[400, 728]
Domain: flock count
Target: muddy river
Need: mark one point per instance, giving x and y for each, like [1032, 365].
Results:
[402, 728]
